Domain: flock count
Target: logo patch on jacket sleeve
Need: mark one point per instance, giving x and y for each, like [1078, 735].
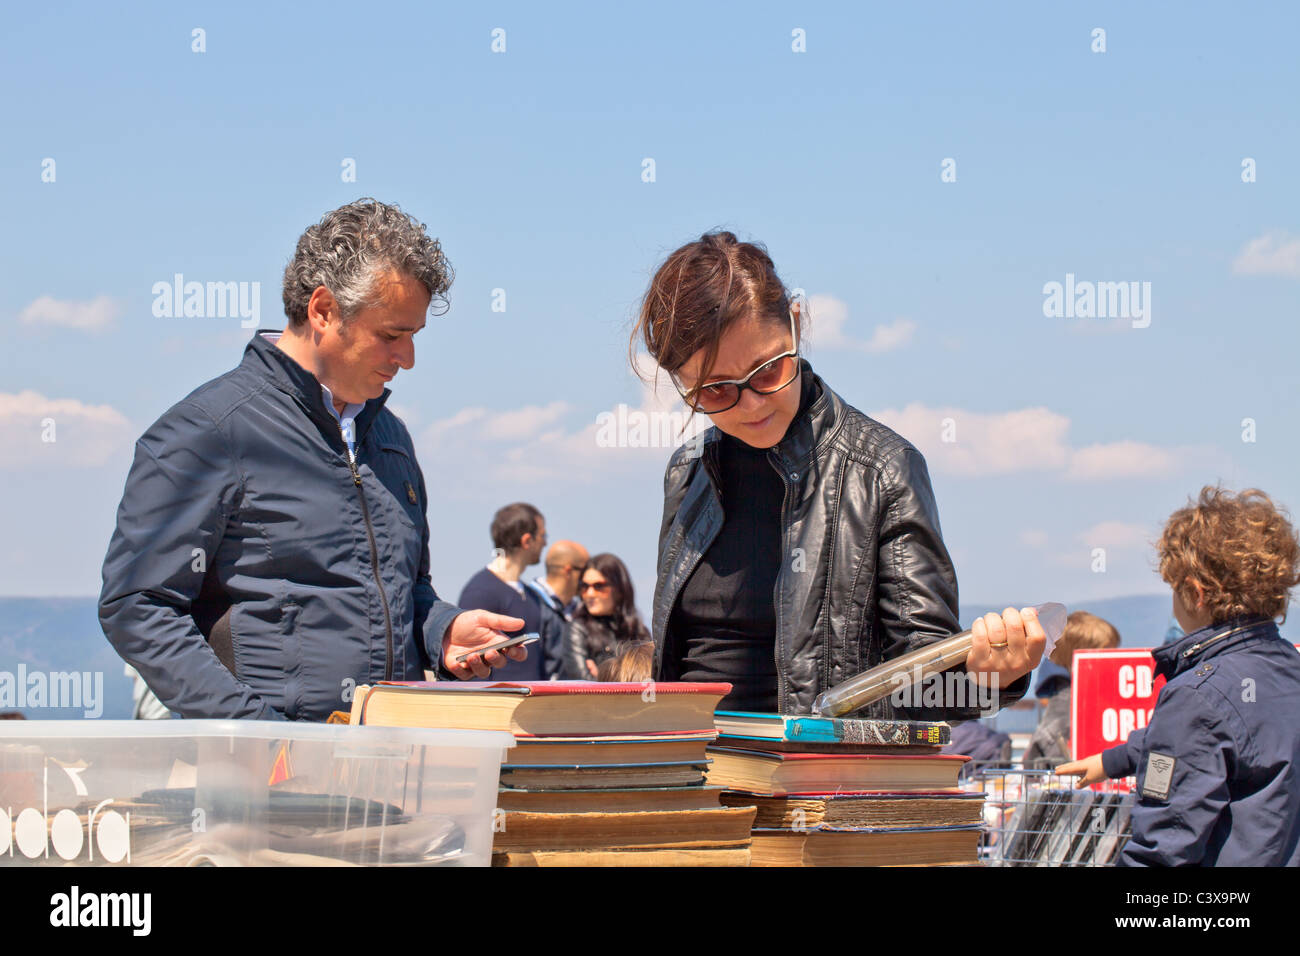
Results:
[1159, 776]
[410, 494]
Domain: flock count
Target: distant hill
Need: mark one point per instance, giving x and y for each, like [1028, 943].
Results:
[1141, 619]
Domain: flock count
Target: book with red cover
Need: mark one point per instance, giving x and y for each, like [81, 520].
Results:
[542, 708]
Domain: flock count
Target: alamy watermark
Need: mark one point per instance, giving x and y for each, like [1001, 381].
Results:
[1098, 300]
[633, 428]
[40, 689]
[948, 689]
[128, 910]
[208, 300]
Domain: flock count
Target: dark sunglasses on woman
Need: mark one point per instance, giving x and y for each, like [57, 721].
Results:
[772, 376]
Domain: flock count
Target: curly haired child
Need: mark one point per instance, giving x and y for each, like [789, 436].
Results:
[1218, 766]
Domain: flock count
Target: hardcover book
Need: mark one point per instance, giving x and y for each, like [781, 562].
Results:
[541, 708]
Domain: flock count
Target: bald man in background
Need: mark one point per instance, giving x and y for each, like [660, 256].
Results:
[565, 562]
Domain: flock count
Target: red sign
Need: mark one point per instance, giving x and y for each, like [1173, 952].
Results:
[1114, 694]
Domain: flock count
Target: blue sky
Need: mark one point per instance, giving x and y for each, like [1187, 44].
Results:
[1071, 434]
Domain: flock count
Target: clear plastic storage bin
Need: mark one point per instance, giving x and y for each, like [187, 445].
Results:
[245, 793]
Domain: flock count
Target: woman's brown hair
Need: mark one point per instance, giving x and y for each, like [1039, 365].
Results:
[1241, 549]
[699, 292]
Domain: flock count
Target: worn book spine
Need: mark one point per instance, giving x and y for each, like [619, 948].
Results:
[842, 730]
[878, 732]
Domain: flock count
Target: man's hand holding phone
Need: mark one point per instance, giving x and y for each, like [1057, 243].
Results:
[470, 633]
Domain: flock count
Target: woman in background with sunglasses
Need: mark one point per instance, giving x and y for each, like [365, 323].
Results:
[606, 619]
[800, 542]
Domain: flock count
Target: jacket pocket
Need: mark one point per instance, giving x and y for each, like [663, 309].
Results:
[396, 471]
[292, 648]
[403, 508]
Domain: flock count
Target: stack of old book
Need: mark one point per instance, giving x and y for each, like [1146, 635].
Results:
[601, 774]
[842, 792]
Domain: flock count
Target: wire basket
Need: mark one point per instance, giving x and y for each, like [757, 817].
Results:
[1035, 818]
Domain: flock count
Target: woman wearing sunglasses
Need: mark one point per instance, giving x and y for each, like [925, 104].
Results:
[800, 542]
[606, 619]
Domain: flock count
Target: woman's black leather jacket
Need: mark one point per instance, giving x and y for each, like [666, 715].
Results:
[865, 575]
[593, 638]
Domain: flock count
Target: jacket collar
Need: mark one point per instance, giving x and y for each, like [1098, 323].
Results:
[264, 358]
[1185, 653]
[820, 410]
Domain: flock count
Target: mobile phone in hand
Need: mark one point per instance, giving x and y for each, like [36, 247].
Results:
[500, 646]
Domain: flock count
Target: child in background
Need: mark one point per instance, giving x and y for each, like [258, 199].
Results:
[632, 662]
[1218, 766]
[1050, 744]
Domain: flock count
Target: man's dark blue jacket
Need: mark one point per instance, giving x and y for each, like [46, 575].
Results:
[1218, 767]
[256, 573]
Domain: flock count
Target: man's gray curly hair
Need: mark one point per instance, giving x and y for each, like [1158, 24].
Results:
[352, 247]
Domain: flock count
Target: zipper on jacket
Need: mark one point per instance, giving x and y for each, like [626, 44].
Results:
[694, 563]
[1200, 645]
[374, 557]
[677, 593]
[776, 592]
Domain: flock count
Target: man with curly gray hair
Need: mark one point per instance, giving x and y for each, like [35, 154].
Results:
[272, 545]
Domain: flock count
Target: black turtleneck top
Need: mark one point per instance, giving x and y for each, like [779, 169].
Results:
[723, 627]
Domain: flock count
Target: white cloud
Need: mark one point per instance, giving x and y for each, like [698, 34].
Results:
[465, 416]
[409, 415]
[1116, 535]
[1121, 459]
[1034, 538]
[970, 444]
[828, 317]
[36, 431]
[1127, 548]
[886, 338]
[522, 422]
[96, 314]
[552, 443]
[1273, 254]
[1031, 439]
[541, 445]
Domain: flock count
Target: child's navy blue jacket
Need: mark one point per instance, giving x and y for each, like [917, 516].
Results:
[1218, 767]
